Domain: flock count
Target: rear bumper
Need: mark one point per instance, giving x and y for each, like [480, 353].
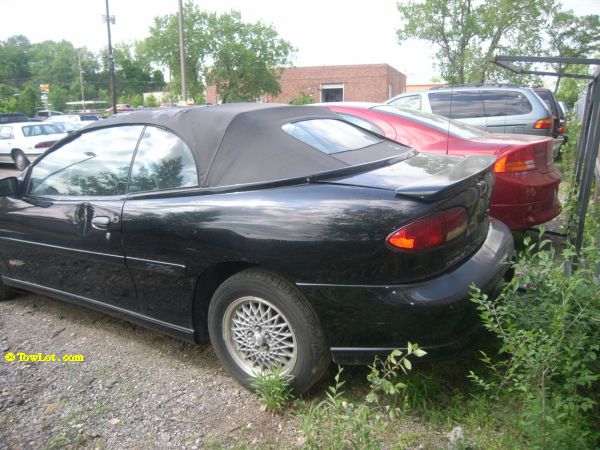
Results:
[524, 199]
[362, 321]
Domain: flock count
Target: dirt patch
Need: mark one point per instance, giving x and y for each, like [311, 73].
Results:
[135, 389]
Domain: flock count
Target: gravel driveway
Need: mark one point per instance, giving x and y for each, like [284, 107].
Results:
[135, 389]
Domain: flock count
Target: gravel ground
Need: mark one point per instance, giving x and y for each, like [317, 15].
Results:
[135, 389]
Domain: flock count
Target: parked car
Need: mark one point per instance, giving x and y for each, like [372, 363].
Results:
[68, 127]
[13, 117]
[496, 109]
[43, 114]
[80, 120]
[285, 234]
[22, 142]
[564, 108]
[526, 191]
[559, 128]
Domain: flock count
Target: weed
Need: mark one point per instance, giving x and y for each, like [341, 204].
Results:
[338, 423]
[273, 388]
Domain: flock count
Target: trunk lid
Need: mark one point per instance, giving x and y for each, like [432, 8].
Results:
[427, 177]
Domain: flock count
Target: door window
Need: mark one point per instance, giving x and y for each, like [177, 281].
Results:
[94, 164]
[163, 161]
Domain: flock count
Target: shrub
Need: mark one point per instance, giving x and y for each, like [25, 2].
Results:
[547, 321]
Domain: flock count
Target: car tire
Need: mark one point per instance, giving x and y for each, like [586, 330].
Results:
[6, 292]
[258, 320]
[21, 161]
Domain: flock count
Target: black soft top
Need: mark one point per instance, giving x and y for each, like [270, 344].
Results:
[244, 142]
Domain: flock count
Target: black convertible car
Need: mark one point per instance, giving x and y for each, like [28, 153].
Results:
[285, 234]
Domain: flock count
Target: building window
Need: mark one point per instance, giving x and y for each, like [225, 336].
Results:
[332, 92]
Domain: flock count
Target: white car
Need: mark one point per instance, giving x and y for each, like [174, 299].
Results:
[23, 142]
[79, 120]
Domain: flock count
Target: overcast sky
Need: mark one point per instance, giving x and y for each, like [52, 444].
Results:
[323, 31]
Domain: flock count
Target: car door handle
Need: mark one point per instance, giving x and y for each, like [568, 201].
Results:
[101, 222]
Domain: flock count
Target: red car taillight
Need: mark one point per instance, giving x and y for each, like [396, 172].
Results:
[517, 161]
[544, 124]
[430, 231]
[46, 144]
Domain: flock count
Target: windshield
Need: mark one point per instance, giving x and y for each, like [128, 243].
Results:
[441, 123]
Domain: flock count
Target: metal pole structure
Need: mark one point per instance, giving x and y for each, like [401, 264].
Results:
[111, 64]
[182, 53]
[81, 81]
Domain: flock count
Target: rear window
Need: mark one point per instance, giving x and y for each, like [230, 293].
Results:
[440, 123]
[330, 135]
[457, 105]
[499, 103]
[362, 123]
[410, 102]
[549, 101]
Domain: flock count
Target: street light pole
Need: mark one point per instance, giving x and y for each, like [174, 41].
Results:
[81, 80]
[111, 63]
[181, 53]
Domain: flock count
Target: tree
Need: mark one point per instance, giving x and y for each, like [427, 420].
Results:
[133, 72]
[303, 98]
[15, 57]
[247, 59]
[241, 59]
[58, 97]
[468, 34]
[28, 101]
[574, 37]
[151, 102]
[162, 46]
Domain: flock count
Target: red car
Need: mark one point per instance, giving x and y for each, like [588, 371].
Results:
[526, 179]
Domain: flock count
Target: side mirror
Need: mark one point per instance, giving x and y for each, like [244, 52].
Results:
[8, 186]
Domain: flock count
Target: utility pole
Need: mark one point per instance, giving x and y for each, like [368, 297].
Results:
[181, 52]
[111, 61]
[81, 80]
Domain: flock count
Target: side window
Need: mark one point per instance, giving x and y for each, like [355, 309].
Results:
[494, 103]
[28, 131]
[517, 103]
[457, 104]
[95, 164]
[363, 123]
[505, 103]
[163, 161]
[409, 102]
[5, 132]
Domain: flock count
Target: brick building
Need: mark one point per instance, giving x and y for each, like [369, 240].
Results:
[365, 82]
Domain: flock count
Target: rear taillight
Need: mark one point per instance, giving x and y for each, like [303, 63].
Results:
[430, 231]
[46, 144]
[516, 161]
[544, 124]
[562, 129]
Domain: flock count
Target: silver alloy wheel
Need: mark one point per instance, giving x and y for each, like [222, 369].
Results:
[258, 336]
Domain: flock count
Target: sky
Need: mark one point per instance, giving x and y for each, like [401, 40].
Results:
[324, 32]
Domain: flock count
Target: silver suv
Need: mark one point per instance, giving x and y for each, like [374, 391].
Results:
[497, 109]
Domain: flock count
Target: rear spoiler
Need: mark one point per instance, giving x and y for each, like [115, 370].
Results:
[442, 183]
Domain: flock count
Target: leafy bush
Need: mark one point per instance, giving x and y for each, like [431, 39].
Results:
[548, 323]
